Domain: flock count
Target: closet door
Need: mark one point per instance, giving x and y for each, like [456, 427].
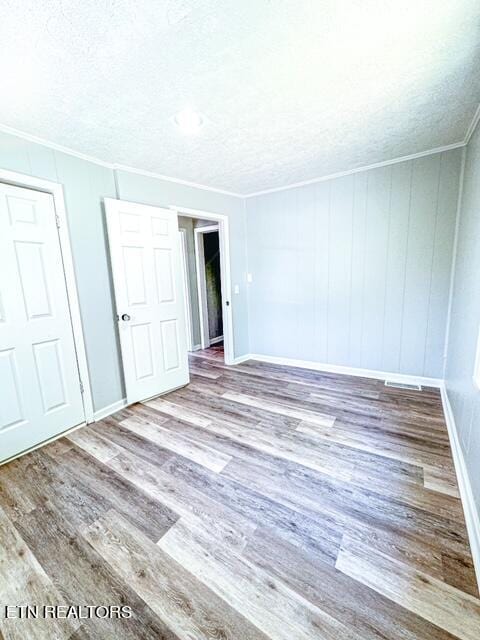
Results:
[40, 394]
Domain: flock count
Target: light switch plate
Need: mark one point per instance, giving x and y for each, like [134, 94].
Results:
[249, 277]
[236, 289]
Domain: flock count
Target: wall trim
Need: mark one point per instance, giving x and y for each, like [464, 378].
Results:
[375, 165]
[53, 145]
[186, 287]
[215, 340]
[55, 189]
[115, 167]
[349, 371]
[454, 261]
[108, 410]
[225, 269]
[109, 165]
[241, 359]
[473, 126]
[187, 183]
[472, 516]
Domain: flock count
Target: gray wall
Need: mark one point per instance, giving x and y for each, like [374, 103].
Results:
[85, 185]
[188, 225]
[154, 191]
[356, 271]
[352, 271]
[465, 319]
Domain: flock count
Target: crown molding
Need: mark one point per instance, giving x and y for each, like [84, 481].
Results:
[109, 165]
[473, 125]
[187, 183]
[53, 145]
[150, 174]
[376, 165]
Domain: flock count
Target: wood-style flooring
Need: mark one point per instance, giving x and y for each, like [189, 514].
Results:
[259, 502]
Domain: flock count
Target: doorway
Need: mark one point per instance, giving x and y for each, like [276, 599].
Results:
[201, 256]
[210, 285]
[206, 268]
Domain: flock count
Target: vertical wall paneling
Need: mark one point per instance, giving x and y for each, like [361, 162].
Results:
[364, 259]
[340, 269]
[463, 394]
[376, 251]
[450, 171]
[157, 192]
[306, 272]
[397, 245]
[421, 239]
[85, 185]
[357, 282]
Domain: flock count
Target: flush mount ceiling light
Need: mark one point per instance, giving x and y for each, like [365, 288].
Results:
[188, 121]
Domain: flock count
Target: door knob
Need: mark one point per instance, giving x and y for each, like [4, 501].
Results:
[126, 317]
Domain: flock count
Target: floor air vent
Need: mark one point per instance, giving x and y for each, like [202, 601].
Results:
[403, 385]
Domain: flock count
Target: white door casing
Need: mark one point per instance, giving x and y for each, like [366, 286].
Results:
[147, 275]
[39, 378]
[225, 271]
[186, 288]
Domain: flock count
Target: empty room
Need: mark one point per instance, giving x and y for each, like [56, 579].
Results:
[240, 320]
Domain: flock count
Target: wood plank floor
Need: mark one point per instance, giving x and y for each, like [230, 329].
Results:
[258, 502]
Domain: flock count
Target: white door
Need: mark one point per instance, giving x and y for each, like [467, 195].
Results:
[147, 277]
[40, 392]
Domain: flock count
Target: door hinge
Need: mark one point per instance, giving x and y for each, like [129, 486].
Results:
[82, 390]
[57, 220]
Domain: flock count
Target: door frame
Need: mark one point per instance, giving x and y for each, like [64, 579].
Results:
[55, 189]
[225, 272]
[201, 282]
[186, 288]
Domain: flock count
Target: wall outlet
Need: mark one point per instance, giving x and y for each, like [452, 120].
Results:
[236, 289]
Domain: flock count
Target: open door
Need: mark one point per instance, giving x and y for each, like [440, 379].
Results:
[147, 276]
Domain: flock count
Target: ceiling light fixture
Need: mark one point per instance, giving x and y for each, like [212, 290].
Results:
[188, 121]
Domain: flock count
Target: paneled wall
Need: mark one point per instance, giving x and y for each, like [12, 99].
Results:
[465, 319]
[355, 271]
[187, 224]
[139, 188]
[85, 185]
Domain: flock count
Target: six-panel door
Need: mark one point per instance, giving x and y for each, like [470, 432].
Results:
[40, 392]
[145, 252]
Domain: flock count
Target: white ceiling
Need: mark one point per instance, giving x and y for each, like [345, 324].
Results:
[291, 89]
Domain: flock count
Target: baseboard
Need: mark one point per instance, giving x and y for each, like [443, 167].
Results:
[216, 340]
[349, 371]
[241, 359]
[196, 347]
[107, 411]
[472, 517]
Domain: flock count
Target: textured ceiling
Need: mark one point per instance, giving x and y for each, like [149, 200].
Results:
[290, 89]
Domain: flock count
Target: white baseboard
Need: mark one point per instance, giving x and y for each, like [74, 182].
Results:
[196, 347]
[107, 411]
[241, 359]
[472, 517]
[349, 371]
[215, 340]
